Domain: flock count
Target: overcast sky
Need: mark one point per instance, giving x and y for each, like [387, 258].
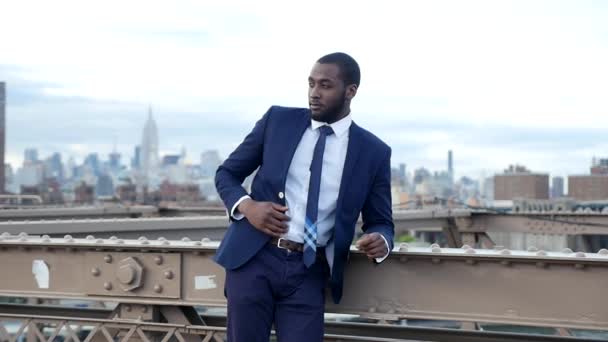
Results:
[497, 82]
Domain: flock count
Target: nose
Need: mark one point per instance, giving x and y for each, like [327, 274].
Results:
[313, 92]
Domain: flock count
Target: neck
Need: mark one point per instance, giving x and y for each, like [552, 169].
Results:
[341, 115]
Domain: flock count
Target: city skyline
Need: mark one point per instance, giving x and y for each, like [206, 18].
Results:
[498, 83]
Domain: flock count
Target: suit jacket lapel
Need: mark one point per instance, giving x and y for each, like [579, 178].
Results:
[352, 155]
[291, 143]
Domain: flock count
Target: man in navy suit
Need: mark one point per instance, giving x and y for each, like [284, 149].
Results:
[291, 236]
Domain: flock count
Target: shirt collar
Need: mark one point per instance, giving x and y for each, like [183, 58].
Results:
[340, 127]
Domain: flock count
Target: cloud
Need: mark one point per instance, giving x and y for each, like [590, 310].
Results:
[497, 82]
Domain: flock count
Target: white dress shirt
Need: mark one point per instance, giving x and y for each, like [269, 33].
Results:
[298, 178]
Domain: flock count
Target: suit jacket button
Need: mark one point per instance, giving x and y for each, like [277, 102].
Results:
[281, 195]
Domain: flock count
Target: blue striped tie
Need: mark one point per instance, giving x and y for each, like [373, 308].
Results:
[312, 205]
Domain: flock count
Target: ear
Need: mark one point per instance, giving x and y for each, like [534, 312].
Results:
[351, 91]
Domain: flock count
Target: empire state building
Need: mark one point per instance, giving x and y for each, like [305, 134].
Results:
[149, 149]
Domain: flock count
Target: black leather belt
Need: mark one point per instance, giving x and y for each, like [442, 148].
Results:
[294, 246]
[287, 244]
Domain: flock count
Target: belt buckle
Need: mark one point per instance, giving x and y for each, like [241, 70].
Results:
[279, 243]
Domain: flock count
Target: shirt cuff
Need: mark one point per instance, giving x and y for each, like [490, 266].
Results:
[388, 248]
[236, 215]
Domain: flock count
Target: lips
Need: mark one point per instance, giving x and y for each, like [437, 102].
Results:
[315, 106]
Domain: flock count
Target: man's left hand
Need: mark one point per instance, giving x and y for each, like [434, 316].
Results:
[372, 245]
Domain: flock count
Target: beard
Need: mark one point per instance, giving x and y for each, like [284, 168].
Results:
[331, 113]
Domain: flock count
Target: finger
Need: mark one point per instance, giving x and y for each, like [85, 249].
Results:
[377, 252]
[271, 233]
[376, 243]
[279, 215]
[276, 223]
[279, 207]
[363, 241]
[366, 241]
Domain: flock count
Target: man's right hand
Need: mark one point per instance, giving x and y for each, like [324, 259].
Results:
[267, 217]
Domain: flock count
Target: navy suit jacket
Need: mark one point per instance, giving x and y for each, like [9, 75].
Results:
[365, 187]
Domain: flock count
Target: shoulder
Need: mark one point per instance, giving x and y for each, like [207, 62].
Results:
[280, 112]
[369, 139]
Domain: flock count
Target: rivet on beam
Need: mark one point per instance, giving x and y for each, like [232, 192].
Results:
[465, 247]
[168, 274]
[6, 234]
[113, 238]
[403, 247]
[186, 239]
[541, 253]
[205, 240]
[603, 251]
[470, 251]
[567, 251]
[505, 252]
[95, 271]
[158, 288]
[108, 259]
[580, 254]
[435, 245]
[68, 238]
[158, 259]
[532, 249]
[166, 243]
[46, 238]
[162, 239]
[108, 286]
[22, 234]
[90, 237]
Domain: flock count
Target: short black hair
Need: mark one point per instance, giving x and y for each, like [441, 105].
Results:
[349, 69]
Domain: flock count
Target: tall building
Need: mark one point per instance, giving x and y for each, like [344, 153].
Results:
[557, 187]
[30, 156]
[149, 148]
[599, 167]
[519, 182]
[210, 161]
[114, 161]
[136, 161]
[451, 166]
[2, 134]
[588, 187]
[403, 175]
[54, 167]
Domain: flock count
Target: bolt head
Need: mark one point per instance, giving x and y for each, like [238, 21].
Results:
[169, 274]
[126, 274]
[158, 260]
[107, 285]
[108, 259]
[95, 271]
[158, 288]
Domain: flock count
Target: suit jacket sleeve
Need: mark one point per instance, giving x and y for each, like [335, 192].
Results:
[377, 213]
[241, 163]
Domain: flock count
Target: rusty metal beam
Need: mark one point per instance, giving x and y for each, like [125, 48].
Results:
[514, 287]
[364, 331]
[65, 212]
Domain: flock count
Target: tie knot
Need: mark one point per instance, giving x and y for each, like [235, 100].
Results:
[326, 130]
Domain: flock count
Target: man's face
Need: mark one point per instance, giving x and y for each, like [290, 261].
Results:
[326, 92]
